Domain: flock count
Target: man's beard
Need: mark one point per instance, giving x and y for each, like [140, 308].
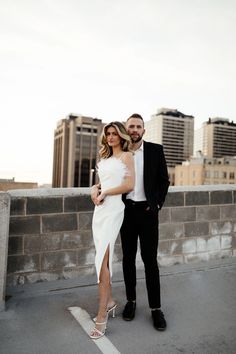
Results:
[136, 140]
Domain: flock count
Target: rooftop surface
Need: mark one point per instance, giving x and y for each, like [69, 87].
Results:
[198, 300]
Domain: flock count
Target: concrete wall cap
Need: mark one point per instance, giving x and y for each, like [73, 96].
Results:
[200, 188]
[47, 192]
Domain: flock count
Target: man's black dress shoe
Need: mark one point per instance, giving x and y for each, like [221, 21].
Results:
[159, 321]
[129, 311]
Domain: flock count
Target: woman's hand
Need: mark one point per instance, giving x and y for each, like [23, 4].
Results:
[95, 193]
[100, 198]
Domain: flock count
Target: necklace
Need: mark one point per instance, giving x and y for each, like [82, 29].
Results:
[118, 155]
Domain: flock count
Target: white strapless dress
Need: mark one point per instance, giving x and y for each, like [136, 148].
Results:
[108, 217]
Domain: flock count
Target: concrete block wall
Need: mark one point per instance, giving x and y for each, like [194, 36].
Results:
[50, 235]
[198, 224]
[50, 231]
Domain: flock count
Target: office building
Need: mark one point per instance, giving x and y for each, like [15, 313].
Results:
[202, 170]
[174, 130]
[216, 138]
[76, 143]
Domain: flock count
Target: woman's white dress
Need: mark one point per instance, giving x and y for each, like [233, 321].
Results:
[108, 217]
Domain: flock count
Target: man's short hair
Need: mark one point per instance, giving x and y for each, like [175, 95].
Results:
[136, 115]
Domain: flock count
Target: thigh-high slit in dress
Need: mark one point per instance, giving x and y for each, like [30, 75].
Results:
[108, 217]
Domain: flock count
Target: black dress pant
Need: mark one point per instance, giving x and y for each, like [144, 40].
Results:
[143, 224]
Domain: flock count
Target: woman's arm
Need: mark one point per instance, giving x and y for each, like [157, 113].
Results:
[129, 179]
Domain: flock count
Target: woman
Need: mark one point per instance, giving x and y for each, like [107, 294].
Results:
[116, 175]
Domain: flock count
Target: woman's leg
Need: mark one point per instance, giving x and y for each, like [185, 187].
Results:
[104, 293]
[104, 288]
[110, 302]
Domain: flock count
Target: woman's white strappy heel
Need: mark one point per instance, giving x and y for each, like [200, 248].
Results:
[96, 333]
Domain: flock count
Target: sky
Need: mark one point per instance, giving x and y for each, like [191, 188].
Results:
[107, 59]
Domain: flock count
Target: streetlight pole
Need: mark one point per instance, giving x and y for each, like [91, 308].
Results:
[91, 177]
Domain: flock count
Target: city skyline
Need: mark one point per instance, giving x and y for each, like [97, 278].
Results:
[107, 61]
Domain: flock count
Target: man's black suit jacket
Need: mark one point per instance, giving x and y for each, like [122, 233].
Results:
[155, 175]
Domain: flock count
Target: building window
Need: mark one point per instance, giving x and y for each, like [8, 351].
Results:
[216, 174]
[231, 175]
[224, 174]
[207, 174]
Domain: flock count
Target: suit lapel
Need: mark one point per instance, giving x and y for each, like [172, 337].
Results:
[145, 162]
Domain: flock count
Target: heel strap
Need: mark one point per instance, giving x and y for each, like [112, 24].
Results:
[99, 332]
[100, 323]
[112, 308]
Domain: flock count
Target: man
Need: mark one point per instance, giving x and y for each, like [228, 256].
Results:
[141, 220]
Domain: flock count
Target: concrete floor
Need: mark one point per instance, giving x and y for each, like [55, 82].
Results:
[199, 302]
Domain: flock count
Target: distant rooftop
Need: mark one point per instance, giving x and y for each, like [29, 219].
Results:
[74, 116]
[172, 113]
[220, 121]
[7, 180]
[200, 159]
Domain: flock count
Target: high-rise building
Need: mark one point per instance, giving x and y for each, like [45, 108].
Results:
[216, 138]
[174, 130]
[76, 143]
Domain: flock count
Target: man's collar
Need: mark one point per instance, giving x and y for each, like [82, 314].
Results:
[140, 147]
